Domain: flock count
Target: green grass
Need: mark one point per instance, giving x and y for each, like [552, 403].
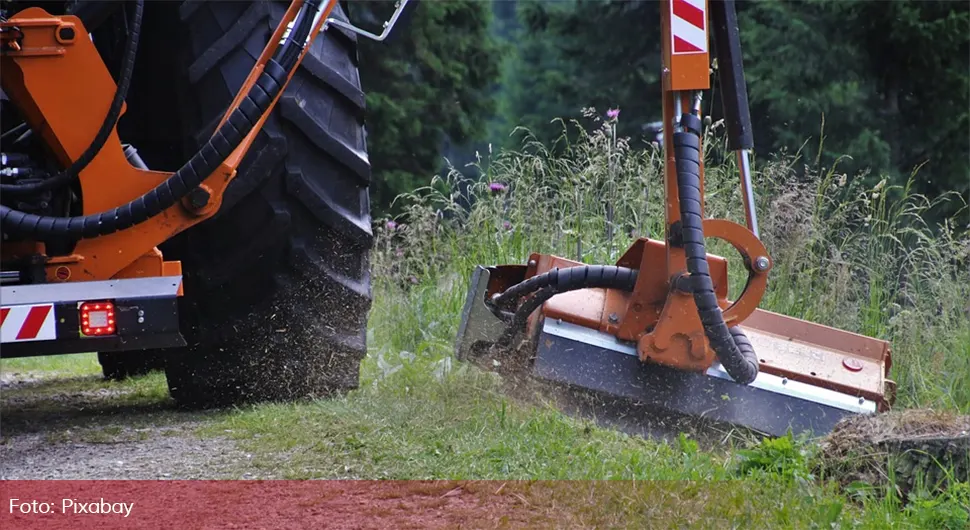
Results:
[853, 258]
[461, 427]
[80, 364]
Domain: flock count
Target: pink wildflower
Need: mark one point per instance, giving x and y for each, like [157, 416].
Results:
[496, 187]
[613, 114]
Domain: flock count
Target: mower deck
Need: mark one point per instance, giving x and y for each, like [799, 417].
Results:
[580, 358]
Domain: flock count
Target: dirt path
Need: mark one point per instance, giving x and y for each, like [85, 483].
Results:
[70, 428]
[84, 428]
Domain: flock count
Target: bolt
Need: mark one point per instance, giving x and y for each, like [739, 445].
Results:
[784, 381]
[532, 263]
[851, 364]
[613, 318]
[198, 198]
[141, 312]
[141, 320]
[761, 264]
[862, 400]
[65, 33]
[559, 322]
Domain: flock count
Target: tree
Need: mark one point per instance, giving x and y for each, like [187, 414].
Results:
[571, 55]
[428, 86]
[890, 79]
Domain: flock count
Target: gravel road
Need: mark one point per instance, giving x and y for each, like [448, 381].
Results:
[83, 428]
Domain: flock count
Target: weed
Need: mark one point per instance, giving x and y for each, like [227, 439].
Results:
[782, 456]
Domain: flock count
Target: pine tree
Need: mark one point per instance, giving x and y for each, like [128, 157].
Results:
[427, 87]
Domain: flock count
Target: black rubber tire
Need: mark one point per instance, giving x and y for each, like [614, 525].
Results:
[117, 366]
[277, 284]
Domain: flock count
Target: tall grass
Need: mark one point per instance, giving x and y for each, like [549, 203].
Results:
[856, 258]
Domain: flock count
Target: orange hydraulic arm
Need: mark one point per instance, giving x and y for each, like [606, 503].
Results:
[660, 313]
[576, 323]
[54, 73]
[660, 316]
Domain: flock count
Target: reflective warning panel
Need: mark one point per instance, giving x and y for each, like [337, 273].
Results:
[21, 323]
[688, 26]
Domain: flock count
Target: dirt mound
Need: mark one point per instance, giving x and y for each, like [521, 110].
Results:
[899, 449]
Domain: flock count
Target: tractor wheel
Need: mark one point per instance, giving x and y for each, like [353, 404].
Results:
[117, 366]
[277, 284]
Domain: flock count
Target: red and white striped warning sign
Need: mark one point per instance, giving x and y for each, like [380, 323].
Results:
[688, 26]
[21, 323]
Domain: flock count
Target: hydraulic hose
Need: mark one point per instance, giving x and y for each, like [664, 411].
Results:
[108, 125]
[732, 347]
[571, 279]
[557, 281]
[190, 175]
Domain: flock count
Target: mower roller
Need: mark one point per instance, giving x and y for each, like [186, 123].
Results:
[657, 329]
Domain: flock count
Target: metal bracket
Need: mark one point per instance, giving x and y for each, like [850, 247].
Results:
[388, 26]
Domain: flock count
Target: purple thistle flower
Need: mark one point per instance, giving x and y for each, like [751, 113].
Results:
[414, 279]
[507, 225]
[391, 225]
[613, 114]
[496, 187]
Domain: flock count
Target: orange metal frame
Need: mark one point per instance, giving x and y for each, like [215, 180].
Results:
[64, 89]
[663, 321]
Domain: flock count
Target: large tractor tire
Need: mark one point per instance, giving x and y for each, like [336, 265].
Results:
[277, 284]
[117, 366]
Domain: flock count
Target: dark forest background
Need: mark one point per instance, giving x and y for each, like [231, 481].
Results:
[889, 79]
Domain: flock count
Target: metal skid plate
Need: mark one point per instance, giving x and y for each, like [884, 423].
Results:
[580, 357]
[478, 324]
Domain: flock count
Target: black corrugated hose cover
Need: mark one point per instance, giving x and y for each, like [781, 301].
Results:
[190, 175]
[732, 347]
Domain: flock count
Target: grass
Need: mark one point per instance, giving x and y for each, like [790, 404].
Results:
[862, 259]
[80, 364]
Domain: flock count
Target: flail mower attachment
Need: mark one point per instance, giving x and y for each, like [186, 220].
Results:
[656, 329]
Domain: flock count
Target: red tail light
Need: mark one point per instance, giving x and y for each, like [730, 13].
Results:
[97, 319]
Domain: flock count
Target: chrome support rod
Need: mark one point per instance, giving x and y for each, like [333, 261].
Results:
[751, 216]
[388, 26]
[678, 109]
